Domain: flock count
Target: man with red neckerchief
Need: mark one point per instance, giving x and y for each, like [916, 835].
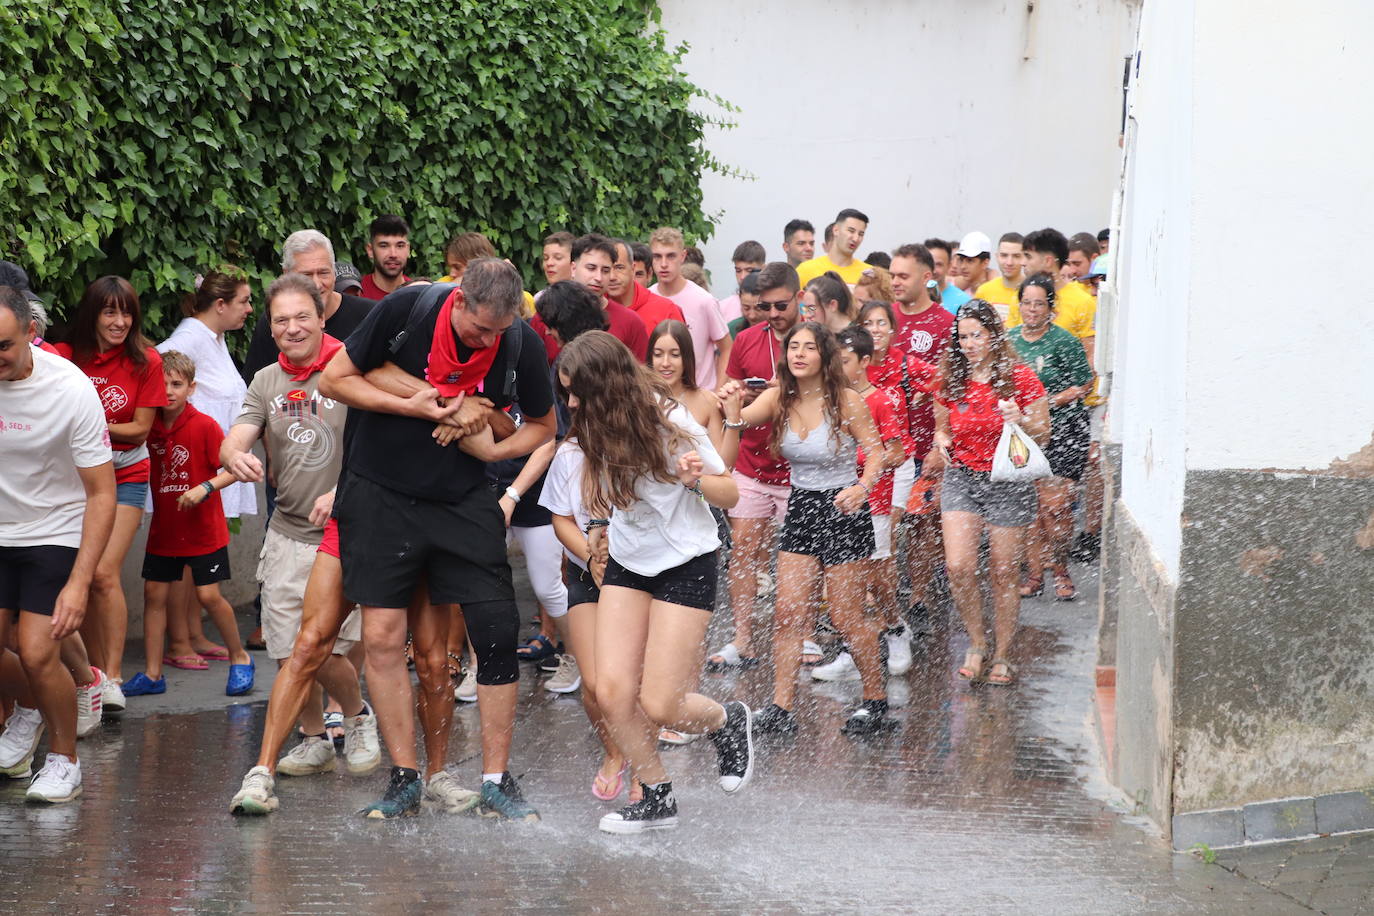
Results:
[622, 288]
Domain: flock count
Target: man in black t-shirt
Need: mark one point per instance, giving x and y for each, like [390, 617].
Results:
[413, 511]
[308, 252]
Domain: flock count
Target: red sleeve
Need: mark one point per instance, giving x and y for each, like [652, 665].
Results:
[212, 438]
[152, 389]
[550, 345]
[638, 341]
[674, 312]
[1028, 386]
[64, 350]
[921, 373]
[885, 417]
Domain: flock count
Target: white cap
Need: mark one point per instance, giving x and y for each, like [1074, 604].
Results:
[974, 244]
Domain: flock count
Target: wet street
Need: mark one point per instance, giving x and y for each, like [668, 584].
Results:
[982, 800]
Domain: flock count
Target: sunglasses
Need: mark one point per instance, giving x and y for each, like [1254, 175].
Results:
[779, 306]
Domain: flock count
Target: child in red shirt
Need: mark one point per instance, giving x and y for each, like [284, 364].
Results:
[188, 529]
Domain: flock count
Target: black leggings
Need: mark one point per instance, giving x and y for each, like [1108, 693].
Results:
[493, 632]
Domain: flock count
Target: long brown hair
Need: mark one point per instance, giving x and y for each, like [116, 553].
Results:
[833, 383]
[621, 421]
[683, 338]
[108, 292]
[954, 365]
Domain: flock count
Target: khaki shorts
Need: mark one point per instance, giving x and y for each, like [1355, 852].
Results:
[283, 569]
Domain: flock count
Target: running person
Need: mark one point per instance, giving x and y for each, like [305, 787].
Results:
[649, 472]
[818, 424]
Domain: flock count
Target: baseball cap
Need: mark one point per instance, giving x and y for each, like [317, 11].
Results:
[12, 275]
[346, 277]
[975, 244]
[1099, 268]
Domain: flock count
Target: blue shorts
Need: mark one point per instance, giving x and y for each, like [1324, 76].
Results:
[134, 493]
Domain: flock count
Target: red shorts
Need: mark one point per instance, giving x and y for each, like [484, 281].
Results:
[330, 543]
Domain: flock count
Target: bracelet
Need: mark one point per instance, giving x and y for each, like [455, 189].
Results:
[209, 488]
[597, 523]
[513, 493]
[695, 487]
[738, 424]
[867, 489]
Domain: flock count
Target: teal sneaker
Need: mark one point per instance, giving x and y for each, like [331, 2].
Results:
[401, 799]
[504, 800]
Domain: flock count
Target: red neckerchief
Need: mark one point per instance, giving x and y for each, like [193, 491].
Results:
[445, 371]
[328, 347]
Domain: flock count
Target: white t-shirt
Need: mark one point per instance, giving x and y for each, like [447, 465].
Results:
[51, 423]
[702, 314]
[562, 493]
[668, 524]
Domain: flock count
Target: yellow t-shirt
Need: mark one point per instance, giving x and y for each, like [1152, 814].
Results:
[997, 292]
[810, 270]
[1075, 310]
[526, 311]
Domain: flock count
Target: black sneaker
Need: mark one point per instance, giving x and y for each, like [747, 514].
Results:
[657, 810]
[401, 799]
[505, 800]
[918, 619]
[870, 717]
[734, 743]
[550, 664]
[776, 720]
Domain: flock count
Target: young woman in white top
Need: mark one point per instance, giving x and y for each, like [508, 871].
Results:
[649, 471]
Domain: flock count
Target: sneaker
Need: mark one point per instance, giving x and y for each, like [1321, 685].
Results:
[870, 717]
[333, 720]
[255, 796]
[898, 650]
[657, 810]
[444, 793]
[734, 743]
[764, 584]
[112, 697]
[841, 669]
[141, 685]
[59, 780]
[89, 704]
[19, 742]
[568, 677]
[504, 800]
[361, 749]
[776, 720]
[919, 616]
[401, 798]
[315, 754]
[551, 664]
[466, 691]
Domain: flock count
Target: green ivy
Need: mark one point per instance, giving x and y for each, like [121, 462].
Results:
[155, 139]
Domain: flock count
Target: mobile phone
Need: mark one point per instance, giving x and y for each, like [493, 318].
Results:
[756, 383]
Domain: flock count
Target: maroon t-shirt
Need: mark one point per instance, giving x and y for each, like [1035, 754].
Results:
[924, 336]
[755, 355]
[626, 327]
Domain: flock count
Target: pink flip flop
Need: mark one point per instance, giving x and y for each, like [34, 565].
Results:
[190, 662]
[614, 792]
[217, 654]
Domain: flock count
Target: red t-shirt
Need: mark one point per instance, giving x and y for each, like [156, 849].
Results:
[919, 431]
[625, 327]
[123, 388]
[183, 457]
[924, 336]
[975, 423]
[374, 292]
[755, 355]
[887, 408]
[653, 308]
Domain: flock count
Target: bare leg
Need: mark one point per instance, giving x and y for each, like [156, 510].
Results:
[388, 681]
[1055, 521]
[1007, 545]
[845, 586]
[155, 623]
[924, 547]
[799, 591]
[209, 597]
[53, 689]
[73, 654]
[429, 627]
[107, 606]
[180, 604]
[1093, 491]
[578, 629]
[962, 532]
[750, 538]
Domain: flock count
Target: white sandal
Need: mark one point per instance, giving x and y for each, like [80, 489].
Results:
[728, 656]
[810, 648]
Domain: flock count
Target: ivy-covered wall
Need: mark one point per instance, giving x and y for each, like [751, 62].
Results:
[156, 138]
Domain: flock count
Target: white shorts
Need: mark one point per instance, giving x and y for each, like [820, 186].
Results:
[903, 479]
[882, 537]
[283, 569]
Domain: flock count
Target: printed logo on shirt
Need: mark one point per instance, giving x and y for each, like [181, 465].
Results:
[114, 399]
[180, 455]
[298, 394]
[299, 434]
[921, 341]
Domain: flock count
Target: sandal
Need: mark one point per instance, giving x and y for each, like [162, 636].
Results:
[1001, 680]
[1064, 589]
[214, 654]
[972, 670]
[611, 790]
[811, 653]
[1033, 586]
[676, 738]
[537, 649]
[192, 662]
[728, 656]
[454, 665]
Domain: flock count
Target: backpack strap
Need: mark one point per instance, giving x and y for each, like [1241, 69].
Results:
[434, 293]
[513, 339]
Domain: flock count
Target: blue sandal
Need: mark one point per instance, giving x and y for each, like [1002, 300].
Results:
[537, 649]
[240, 679]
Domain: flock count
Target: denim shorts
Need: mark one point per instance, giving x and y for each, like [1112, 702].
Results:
[134, 493]
[1003, 504]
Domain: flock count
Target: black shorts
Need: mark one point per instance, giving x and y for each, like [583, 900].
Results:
[389, 541]
[31, 578]
[582, 587]
[815, 528]
[693, 584]
[1070, 436]
[206, 569]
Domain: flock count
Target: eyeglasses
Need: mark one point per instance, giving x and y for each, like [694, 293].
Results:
[780, 306]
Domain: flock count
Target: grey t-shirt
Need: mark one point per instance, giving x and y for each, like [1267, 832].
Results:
[304, 432]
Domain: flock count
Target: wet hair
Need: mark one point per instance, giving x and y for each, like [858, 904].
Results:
[388, 224]
[750, 285]
[298, 243]
[1013, 237]
[559, 238]
[174, 362]
[621, 421]
[1048, 240]
[108, 292]
[641, 253]
[779, 275]
[14, 300]
[223, 282]
[683, 338]
[856, 340]
[829, 287]
[874, 305]
[294, 283]
[794, 226]
[692, 255]
[877, 279]
[878, 259]
[666, 235]
[833, 383]
[1086, 243]
[954, 365]
[1042, 280]
[593, 242]
[571, 309]
[493, 285]
[469, 246]
[749, 252]
[919, 252]
[941, 244]
[850, 213]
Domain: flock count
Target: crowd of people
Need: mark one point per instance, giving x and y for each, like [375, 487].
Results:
[821, 435]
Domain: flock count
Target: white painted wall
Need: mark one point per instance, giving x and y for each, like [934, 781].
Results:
[922, 113]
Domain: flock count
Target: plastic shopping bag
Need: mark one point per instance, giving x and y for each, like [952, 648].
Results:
[1018, 458]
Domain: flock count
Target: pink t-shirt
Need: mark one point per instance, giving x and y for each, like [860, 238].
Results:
[730, 308]
[702, 314]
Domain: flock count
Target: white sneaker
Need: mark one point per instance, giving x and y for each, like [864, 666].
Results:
[255, 796]
[898, 650]
[841, 669]
[442, 791]
[763, 584]
[19, 742]
[90, 703]
[59, 781]
[112, 697]
[567, 678]
[466, 691]
[313, 755]
[362, 751]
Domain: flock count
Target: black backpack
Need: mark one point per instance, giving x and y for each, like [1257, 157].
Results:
[511, 340]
